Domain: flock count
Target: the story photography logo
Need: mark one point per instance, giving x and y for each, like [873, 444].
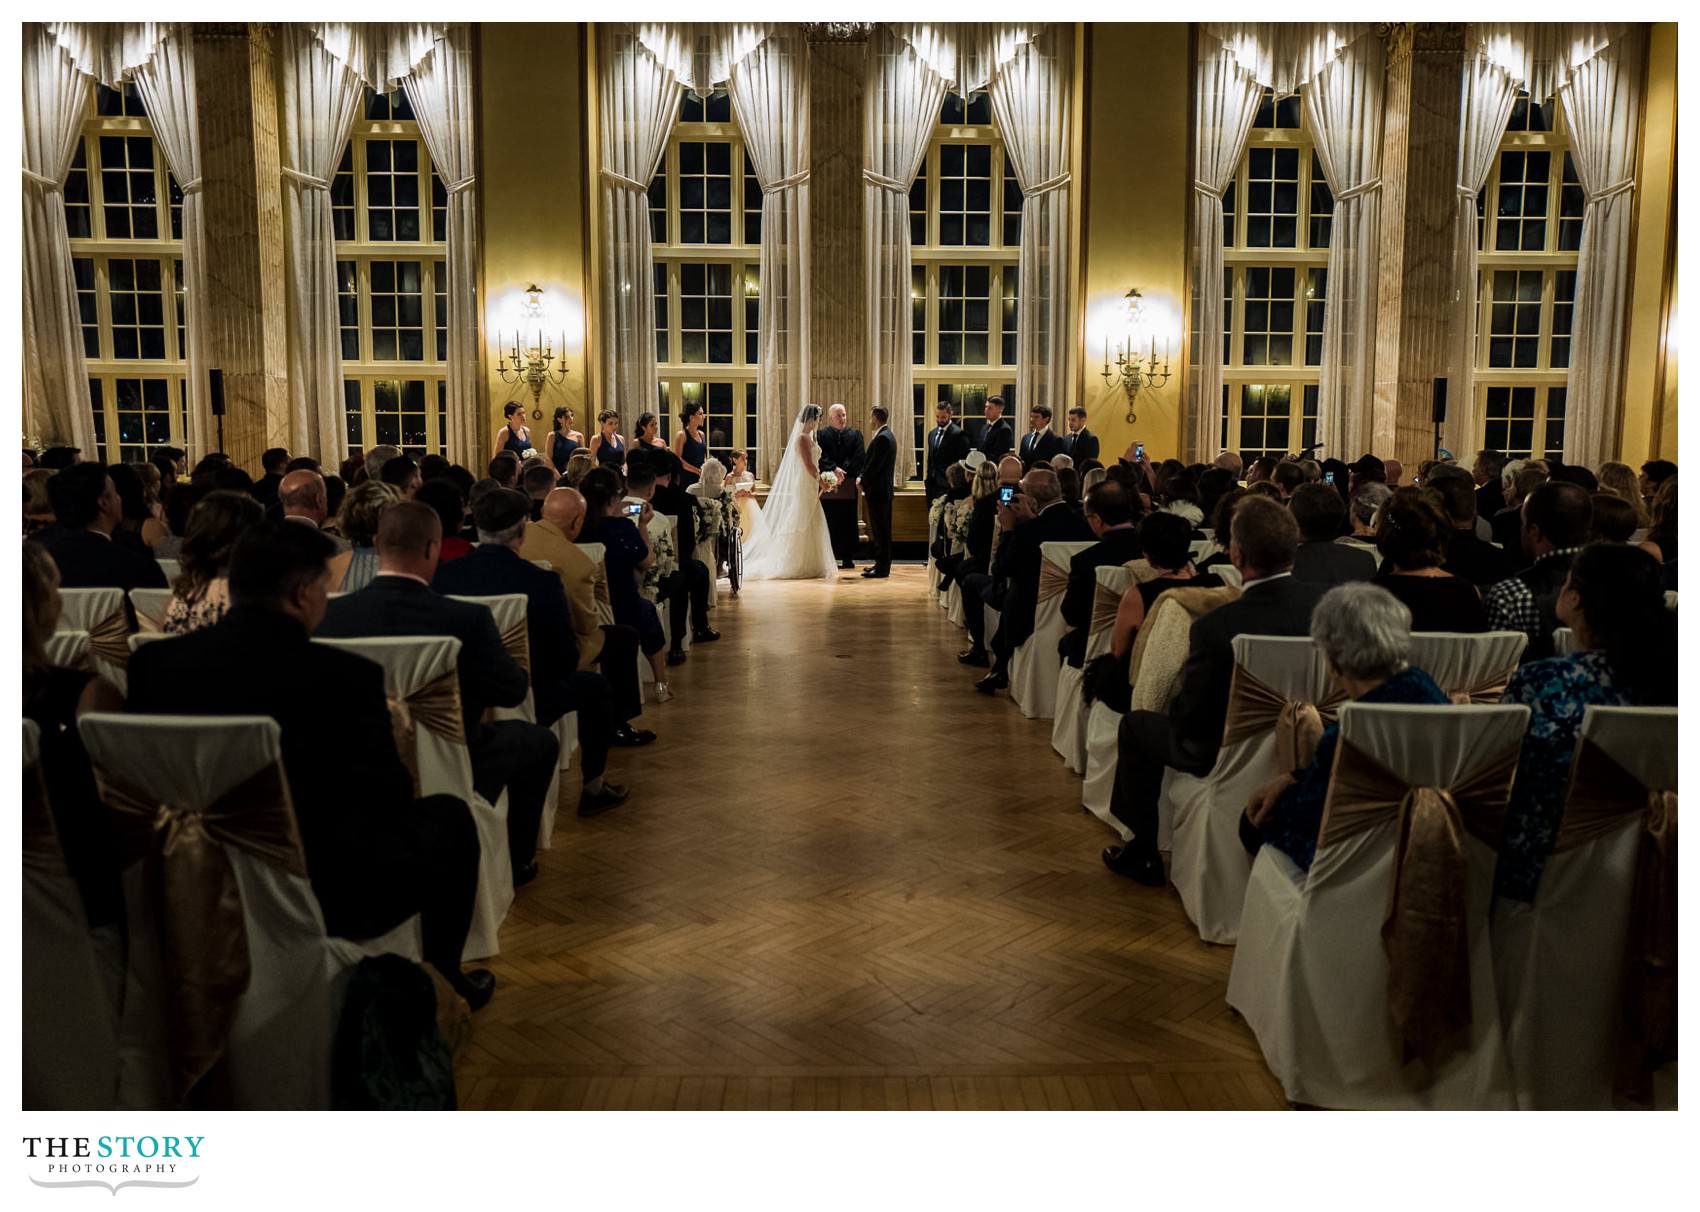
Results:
[113, 1162]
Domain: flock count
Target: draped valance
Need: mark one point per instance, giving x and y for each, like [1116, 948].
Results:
[967, 54]
[110, 51]
[1283, 56]
[381, 53]
[701, 54]
[1541, 56]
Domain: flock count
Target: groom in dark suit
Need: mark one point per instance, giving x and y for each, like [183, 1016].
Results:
[946, 444]
[877, 489]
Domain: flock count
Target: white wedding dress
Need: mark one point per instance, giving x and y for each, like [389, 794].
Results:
[791, 542]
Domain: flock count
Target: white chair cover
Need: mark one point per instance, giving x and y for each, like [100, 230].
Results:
[1033, 666]
[69, 649]
[138, 638]
[1103, 729]
[70, 1030]
[410, 664]
[1210, 865]
[150, 606]
[1229, 574]
[1559, 962]
[953, 606]
[1470, 668]
[279, 1053]
[1310, 973]
[100, 612]
[604, 605]
[172, 570]
[1068, 733]
[1563, 641]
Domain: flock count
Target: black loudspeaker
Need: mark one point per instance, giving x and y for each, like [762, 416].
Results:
[215, 390]
[1439, 402]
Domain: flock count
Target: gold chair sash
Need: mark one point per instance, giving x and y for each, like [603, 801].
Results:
[1424, 929]
[109, 639]
[203, 941]
[1053, 580]
[1603, 797]
[1255, 707]
[599, 586]
[1105, 603]
[435, 706]
[515, 641]
[1485, 693]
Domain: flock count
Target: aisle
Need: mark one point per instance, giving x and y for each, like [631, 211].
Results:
[844, 880]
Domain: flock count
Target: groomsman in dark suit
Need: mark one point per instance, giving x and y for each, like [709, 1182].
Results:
[1079, 443]
[877, 488]
[841, 451]
[946, 444]
[1040, 442]
[998, 437]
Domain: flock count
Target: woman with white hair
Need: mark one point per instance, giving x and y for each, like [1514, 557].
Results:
[1365, 633]
[717, 521]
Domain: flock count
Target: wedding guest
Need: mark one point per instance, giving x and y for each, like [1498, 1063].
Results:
[153, 524]
[580, 462]
[689, 446]
[686, 589]
[535, 483]
[86, 511]
[373, 464]
[58, 458]
[716, 522]
[273, 464]
[444, 498]
[170, 461]
[1485, 473]
[201, 594]
[1287, 477]
[1364, 512]
[626, 554]
[357, 522]
[1613, 601]
[1215, 552]
[970, 521]
[1413, 537]
[303, 498]
[1320, 557]
[402, 474]
[608, 448]
[514, 437]
[134, 514]
[1614, 518]
[1365, 634]
[1468, 555]
[431, 467]
[1619, 480]
[1519, 479]
[1654, 472]
[38, 508]
[1068, 480]
[562, 441]
[1661, 533]
[1557, 520]
[1109, 513]
[180, 502]
[505, 469]
[1167, 543]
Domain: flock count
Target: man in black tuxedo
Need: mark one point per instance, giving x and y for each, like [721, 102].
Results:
[1320, 559]
[375, 855]
[841, 452]
[510, 754]
[1037, 516]
[1080, 443]
[87, 510]
[274, 463]
[1109, 512]
[689, 584]
[1485, 475]
[1040, 444]
[558, 686]
[997, 438]
[877, 489]
[946, 444]
[1262, 542]
[1467, 554]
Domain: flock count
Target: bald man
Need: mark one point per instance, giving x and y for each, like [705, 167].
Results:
[301, 496]
[609, 647]
[1395, 472]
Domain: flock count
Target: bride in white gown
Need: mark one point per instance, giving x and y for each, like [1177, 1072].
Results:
[791, 542]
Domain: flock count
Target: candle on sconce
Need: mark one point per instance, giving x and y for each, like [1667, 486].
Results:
[1106, 355]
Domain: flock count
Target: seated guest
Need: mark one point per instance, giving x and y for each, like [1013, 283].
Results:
[375, 855]
[377, 457]
[558, 685]
[1614, 518]
[1573, 473]
[688, 585]
[626, 554]
[1557, 520]
[1626, 645]
[87, 510]
[1413, 538]
[1485, 474]
[1364, 511]
[54, 696]
[304, 498]
[504, 469]
[1365, 632]
[1395, 472]
[1520, 478]
[1468, 555]
[536, 482]
[579, 462]
[1109, 514]
[433, 467]
[1068, 481]
[336, 491]
[1653, 475]
[201, 594]
[1619, 480]
[508, 754]
[137, 527]
[402, 474]
[357, 521]
[180, 502]
[273, 463]
[1288, 476]
[1661, 534]
[1221, 526]
[971, 520]
[609, 646]
[1167, 542]
[1188, 735]
[444, 498]
[1321, 557]
[38, 509]
[58, 458]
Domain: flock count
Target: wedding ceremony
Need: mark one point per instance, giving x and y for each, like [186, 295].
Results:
[782, 566]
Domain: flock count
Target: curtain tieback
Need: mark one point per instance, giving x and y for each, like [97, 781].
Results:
[306, 179]
[1611, 191]
[48, 184]
[190, 187]
[794, 179]
[884, 182]
[1464, 191]
[1045, 187]
[464, 184]
[1358, 191]
[623, 181]
[1207, 189]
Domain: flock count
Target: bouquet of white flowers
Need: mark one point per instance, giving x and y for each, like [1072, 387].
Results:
[528, 454]
[828, 481]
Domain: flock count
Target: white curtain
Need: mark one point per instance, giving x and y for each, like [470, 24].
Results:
[769, 87]
[639, 102]
[166, 82]
[1541, 56]
[969, 54]
[1485, 108]
[1032, 100]
[56, 385]
[382, 53]
[1282, 56]
[440, 89]
[900, 105]
[321, 96]
[1602, 110]
[1344, 108]
[1227, 101]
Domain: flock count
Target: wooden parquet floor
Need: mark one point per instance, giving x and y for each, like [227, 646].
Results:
[844, 880]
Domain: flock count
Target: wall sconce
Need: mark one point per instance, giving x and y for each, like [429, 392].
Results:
[1135, 370]
[528, 362]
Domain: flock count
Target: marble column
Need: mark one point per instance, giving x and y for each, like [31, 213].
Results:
[838, 306]
[235, 79]
[1419, 169]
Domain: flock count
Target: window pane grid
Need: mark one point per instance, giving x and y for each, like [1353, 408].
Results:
[705, 193]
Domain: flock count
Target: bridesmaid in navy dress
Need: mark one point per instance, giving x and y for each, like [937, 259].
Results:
[690, 445]
[514, 436]
[607, 447]
[649, 431]
[561, 440]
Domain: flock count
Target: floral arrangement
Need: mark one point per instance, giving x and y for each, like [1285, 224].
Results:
[662, 546]
[717, 516]
[528, 454]
[828, 481]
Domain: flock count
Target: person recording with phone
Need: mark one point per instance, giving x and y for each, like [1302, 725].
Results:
[622, 527]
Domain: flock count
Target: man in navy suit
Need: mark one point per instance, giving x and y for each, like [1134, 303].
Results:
[877, 489]
[998, 437]
[1041, 443]
[1079, 443]
[87, 511]
[946, 444]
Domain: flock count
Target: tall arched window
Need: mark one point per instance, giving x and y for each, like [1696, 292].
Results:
[124, 213]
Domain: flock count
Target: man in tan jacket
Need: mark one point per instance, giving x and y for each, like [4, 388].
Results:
[610, 647]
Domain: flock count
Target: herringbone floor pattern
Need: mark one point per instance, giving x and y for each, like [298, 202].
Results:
[845, 881]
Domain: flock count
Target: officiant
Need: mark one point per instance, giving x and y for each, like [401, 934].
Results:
[841, 451]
